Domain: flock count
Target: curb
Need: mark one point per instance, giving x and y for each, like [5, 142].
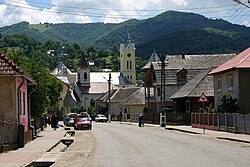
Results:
[232, 139]
[38, 156]
[185, 131]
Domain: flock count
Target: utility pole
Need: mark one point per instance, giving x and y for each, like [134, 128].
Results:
[109, 104]
[163, 92]
[244, 4]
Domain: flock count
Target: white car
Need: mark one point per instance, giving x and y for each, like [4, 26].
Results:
[101, 118]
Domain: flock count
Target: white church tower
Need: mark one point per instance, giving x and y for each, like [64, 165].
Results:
[127, 59]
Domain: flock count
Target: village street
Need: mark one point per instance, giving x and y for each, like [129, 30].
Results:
[115, 144]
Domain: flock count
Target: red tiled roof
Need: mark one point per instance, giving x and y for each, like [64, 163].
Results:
[242, 60]
[8, 67]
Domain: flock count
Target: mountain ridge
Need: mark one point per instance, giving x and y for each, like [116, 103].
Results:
[166, 32]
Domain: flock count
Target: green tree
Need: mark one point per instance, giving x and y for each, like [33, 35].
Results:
[228, 104]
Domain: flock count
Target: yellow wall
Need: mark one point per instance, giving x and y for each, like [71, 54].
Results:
[124, 51]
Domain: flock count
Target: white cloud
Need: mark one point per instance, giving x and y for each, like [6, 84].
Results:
[112, 11]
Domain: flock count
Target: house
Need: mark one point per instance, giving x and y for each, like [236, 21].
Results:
[186, 99]
[133, 106]
[178, 70]
[119, 95]
[15, 96]
[233, 78]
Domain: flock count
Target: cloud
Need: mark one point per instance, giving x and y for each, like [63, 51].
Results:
[108, 11]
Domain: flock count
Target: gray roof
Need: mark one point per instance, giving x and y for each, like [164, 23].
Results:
[123, 93]
[194, 64]
[95, 88]
[123, 80]
[192, 61]
[137, 98]
[154, 57]
[200, 83]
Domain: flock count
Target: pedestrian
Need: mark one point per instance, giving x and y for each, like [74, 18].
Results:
[48, 121]
[54, 122]
[140, 120]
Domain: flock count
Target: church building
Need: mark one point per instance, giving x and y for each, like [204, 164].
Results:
[87, 85]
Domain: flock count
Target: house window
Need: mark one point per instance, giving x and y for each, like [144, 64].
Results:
[78, 76]
[129, 55]
[188, 106]
[159, 91]
[127, 64]
[230, 83]
[183, 75]
[85, 75]
[219, 85]
[174, 106]
[158, 109]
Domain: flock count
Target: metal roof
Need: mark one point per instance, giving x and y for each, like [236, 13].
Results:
[242, 60]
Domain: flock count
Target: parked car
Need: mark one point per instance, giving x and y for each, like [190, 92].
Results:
[70, 119]
[83, 121]
[101, 118]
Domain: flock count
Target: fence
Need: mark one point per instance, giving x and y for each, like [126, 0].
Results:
[38, 124]
[8, 133]
[205, 120]
[235, 123]
[172, 118]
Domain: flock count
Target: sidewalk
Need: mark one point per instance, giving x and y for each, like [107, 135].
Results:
[45, 140]
[216, 134]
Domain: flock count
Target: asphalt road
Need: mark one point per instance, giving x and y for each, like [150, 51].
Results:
[118, 145]
[129, 145]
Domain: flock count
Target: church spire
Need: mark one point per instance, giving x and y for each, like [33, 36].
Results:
[154, 57]
[83, 62]
[127, 38]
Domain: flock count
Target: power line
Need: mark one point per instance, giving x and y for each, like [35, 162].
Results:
[134, 10]
[127, 16]
[242, 17]
[120, 16]
[230, 10]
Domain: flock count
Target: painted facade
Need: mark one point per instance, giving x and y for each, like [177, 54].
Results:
[232, 78]
[14, 95]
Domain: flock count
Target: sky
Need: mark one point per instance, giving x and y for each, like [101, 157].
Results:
[116, 11]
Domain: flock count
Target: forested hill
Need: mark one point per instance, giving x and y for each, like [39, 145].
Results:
[169, 33]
